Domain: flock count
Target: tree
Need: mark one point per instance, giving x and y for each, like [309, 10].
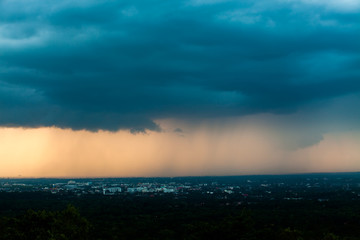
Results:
[44, 225]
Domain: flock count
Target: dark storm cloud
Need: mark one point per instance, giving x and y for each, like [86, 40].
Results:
[121, 64]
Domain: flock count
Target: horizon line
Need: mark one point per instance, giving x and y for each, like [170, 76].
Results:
[184, 176]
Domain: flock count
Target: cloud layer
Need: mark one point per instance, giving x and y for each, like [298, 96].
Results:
[125, 64]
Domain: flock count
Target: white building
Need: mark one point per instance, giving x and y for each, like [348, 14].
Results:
[111, 190]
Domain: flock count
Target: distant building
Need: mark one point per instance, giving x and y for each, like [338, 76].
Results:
[131, 190]
[111, 190]
[168, 190]
[70, 187]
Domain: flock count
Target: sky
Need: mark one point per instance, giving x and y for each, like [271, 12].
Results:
[93, 88]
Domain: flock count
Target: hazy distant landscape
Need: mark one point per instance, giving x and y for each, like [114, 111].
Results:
[301, 206]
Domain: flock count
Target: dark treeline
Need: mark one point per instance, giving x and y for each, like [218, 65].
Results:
[128, 216]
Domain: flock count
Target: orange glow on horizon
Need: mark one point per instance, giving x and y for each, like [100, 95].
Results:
[53, 152]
